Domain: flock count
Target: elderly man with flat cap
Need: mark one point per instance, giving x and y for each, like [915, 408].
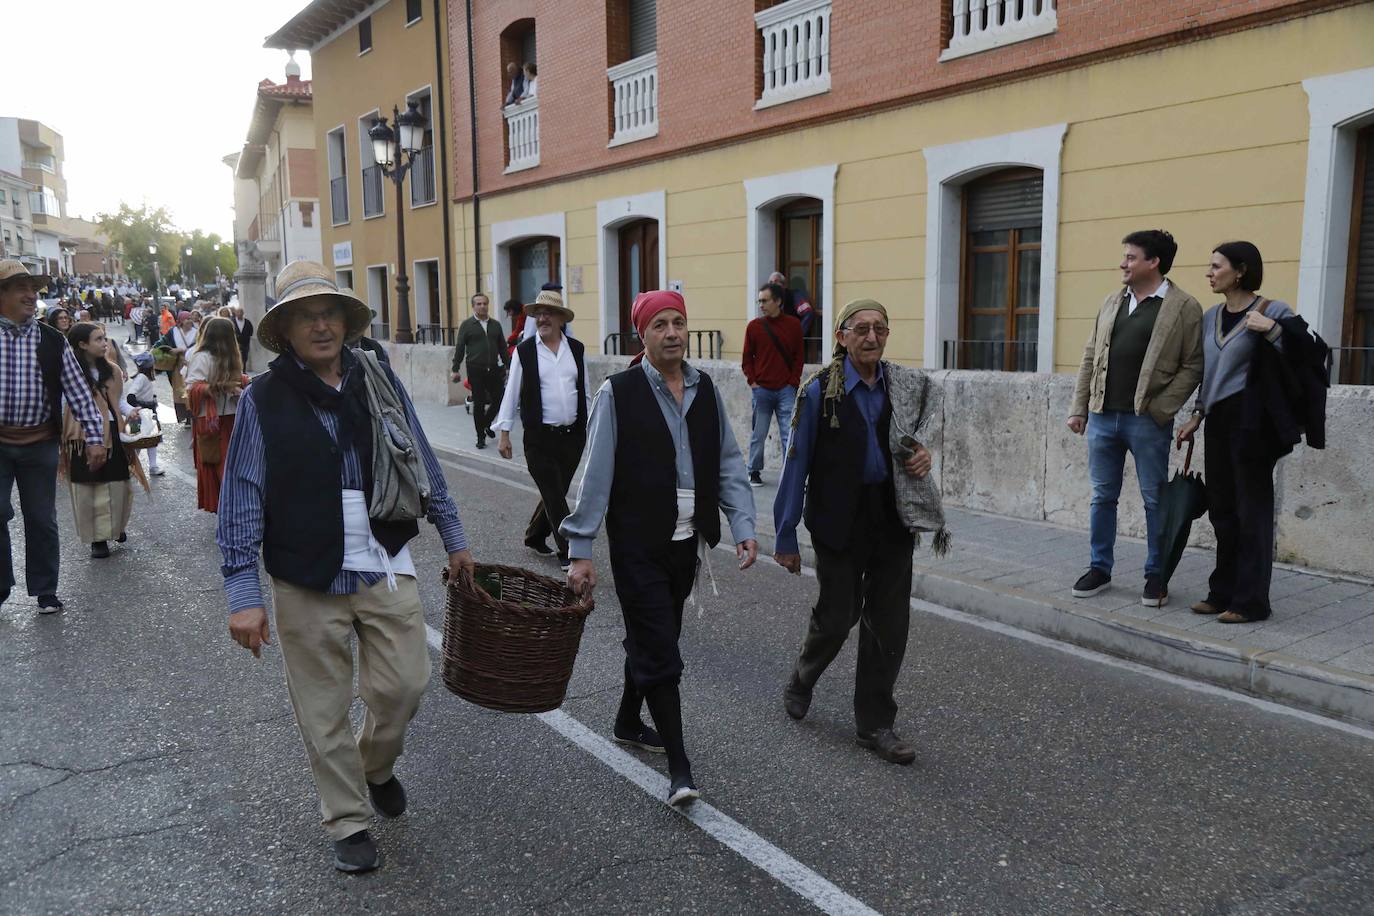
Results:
[663, 464]
[841, 475]
[299, 487]
[37, 370]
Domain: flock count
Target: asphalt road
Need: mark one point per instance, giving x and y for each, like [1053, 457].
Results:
[147, 764]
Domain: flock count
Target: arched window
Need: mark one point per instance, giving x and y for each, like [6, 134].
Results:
[1357, 331]
[1000, 289]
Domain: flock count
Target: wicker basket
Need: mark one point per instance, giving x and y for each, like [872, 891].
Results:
[514, 654]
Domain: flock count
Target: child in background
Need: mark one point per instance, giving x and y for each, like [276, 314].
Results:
[139, 394]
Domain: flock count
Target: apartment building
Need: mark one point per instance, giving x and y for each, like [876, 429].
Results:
[971, 163]
[16, 225]
[368, 61]
[276, 175]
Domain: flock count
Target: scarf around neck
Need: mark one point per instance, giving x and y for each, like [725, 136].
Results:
[348, 403]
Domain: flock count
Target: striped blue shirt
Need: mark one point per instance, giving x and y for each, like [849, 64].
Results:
[241, 502]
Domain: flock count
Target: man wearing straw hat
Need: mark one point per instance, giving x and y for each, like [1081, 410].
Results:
[663, 465]
[335, 571]
[548, 386]
[839, 469]
[37, 370]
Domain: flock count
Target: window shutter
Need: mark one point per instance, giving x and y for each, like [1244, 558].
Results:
[1364, 247]
[643, 27]
[1005, 204]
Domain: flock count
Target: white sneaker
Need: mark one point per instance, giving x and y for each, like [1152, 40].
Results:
[156, 472]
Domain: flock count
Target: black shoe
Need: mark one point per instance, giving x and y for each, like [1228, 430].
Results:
[481, 443]
[356, 853]
[885, 743]
[4, 596]
[1090, 583]
[389, 798]
[640, 736]
[539, 547]
[99, 550]
[490, 434]
[49, 604]
[755, 479]
[683, 791]
[123, 536]
[796, 699]
[1156, 593]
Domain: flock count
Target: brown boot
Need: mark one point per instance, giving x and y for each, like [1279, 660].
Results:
[1202, 607]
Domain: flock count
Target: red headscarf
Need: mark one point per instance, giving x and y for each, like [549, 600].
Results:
[648, 304]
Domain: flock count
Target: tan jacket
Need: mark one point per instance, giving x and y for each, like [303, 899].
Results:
[1172, 369]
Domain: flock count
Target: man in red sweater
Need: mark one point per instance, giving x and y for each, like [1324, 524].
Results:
[773, 367]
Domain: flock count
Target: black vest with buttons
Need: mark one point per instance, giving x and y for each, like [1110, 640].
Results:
[643, 507]
[51, 343]
[303, 537]
[531, 398]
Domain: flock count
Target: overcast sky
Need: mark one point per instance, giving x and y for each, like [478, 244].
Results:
[148, 96]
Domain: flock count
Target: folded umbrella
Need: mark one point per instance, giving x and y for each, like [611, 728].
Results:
[1181, 500]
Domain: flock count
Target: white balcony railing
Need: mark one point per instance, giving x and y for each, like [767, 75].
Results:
[980, 25]
[796, 50]
[43, 166]
[522, 135]
[634, 86]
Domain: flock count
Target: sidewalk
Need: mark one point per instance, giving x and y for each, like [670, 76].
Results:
[1316, 651]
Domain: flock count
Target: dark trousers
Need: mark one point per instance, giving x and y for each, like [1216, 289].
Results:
[869, 584]
[1240, 496]
[34, 469]
[552, 459]
[652, 586]
[487, 388]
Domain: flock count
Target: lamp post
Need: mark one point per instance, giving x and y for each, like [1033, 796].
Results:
[186, 256]
[396, 154]
[157, 277]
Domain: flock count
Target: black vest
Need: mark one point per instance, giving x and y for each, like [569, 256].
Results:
[836, 479]
[531, 398]
[51, 344]
[643, 507]
[302, 539]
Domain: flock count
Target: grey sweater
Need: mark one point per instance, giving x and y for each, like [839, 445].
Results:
[1226, 360]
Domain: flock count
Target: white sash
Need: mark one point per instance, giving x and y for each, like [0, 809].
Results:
[362, 552]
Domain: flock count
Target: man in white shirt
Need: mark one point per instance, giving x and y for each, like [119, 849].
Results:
[548, 389]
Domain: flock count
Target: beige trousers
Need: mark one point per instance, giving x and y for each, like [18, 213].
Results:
[314, 630]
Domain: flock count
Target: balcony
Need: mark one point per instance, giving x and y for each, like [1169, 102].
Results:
[41, 166]
[422, 177]
[980, 25]
[522, 135]
[634, 87]
[372, 191]
[796, 51]
[338, 200]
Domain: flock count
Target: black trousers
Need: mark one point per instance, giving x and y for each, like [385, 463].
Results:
[1240, 494]
[488, 385]
[652, 586]
[869, 584]
[552, 458]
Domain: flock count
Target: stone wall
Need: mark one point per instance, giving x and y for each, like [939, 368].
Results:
[1003, 447]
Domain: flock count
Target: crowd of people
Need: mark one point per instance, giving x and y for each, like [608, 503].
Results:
[856, 470]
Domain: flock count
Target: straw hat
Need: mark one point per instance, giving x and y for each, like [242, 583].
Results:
[550, 299]
[11, 269]
[305, 281]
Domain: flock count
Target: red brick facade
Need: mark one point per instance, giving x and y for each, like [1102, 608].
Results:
[882, 53]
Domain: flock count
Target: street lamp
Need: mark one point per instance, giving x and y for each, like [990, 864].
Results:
[157, 275]
[186, 257]
[396, 154]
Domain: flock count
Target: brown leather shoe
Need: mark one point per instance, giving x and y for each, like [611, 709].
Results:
[885, 743]
[1233, 617]
[1202, 607]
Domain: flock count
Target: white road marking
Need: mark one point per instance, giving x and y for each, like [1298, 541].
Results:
[1111, 661]
[722, 828]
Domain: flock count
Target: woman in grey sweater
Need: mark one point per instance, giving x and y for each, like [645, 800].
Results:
[1240, 477]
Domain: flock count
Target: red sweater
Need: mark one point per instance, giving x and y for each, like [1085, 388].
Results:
[763, 364]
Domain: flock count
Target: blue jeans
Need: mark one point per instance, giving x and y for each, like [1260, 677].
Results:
[1111, 435]
[767, 403]
[34, 468]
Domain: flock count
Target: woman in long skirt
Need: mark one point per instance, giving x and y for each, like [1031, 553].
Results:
[101, 499]
[214, 379]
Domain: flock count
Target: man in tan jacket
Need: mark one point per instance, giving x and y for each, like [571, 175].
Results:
[1142, 362]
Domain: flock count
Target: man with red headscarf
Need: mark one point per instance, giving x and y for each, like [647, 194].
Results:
[660, 490]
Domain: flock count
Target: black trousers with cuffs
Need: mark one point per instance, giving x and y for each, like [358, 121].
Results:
[552, 454]
[1240, 497]
[653, 585]
[869, 584]
[488, 385]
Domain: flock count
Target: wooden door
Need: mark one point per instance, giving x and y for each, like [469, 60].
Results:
[638, 272]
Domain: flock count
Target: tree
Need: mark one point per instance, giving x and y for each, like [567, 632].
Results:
[134, 230]
[205, 258]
